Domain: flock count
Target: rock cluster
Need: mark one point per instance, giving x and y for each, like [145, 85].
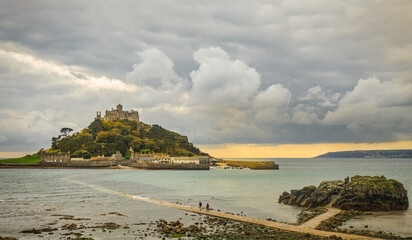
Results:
[361, 193]
[312, 196]
[176, 227]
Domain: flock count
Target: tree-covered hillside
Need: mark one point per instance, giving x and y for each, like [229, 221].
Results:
[107, 137]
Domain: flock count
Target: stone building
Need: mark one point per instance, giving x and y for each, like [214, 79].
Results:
[62, 159]
[119, 114]
[139, 157]
[55, 157]
[162, 158]
[193, 160]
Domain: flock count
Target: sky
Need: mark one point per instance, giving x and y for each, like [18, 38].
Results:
[244, 78]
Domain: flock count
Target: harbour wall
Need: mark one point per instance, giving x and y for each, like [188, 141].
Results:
[81, 164]
[258, 165]
[170, 166]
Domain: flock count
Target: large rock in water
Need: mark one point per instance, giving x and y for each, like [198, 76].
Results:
[361, 193]
[373, 194]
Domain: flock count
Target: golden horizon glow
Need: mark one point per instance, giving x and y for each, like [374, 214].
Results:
[294, 150]
[273, 151]
[15, 154]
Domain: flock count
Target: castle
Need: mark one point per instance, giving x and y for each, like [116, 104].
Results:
[118, 114]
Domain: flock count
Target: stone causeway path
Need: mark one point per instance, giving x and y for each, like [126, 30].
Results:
[314, 222]
[307, 227]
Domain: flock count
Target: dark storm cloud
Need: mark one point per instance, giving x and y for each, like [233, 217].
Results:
[219, 72]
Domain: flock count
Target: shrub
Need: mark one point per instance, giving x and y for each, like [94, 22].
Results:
[82, 154]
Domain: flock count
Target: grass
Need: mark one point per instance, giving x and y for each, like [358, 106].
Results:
[26, 159]
[177, 235]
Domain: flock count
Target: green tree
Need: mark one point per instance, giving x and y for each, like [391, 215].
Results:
[82, 154]
[65, 131]
[136, 144]
[95, 127]
[106, 136]
[55, 142]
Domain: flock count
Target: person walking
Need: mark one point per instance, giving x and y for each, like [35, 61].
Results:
[207, 207]
[200, 205]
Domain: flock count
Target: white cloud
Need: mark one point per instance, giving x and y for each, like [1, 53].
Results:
[304, 114]
[222, 82]
[157, 80]
[34, 127]
[156, 71]
[275, 95]
[271, 105]
[375, 106]
[47, 72]
[321, 98]
[314, 105]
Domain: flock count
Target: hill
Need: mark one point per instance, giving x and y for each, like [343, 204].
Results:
[403, 153]
[108, 137]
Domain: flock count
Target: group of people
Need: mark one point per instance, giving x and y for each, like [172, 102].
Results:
[346, 180]
[207, 206]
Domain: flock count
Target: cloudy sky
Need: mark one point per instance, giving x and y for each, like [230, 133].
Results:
[224, 73]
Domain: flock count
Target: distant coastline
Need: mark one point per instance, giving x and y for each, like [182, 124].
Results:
[401, 153]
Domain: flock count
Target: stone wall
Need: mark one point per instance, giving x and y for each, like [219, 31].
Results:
[61, 157]
[159, 166]
[80, 164]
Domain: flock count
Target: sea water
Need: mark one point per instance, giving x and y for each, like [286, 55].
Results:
[28, 195]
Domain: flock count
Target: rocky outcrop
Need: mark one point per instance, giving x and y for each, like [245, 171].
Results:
[361, 193]
[311, 196]
[373, 194]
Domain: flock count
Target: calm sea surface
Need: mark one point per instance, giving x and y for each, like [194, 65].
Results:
[28, 197]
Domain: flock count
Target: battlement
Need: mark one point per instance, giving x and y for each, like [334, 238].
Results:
[119, 114]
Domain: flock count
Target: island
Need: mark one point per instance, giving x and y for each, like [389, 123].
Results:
[120, 140]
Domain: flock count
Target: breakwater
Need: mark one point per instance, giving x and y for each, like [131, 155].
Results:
[258, 165]
[81, 164]
[69, 164]
[170, 166]
[19, 165]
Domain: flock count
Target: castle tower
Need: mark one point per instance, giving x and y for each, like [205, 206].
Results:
[119, 108]
[98, 115]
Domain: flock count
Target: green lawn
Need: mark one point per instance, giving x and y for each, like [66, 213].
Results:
[31, 159]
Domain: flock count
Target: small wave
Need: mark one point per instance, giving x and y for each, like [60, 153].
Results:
[140, 198]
